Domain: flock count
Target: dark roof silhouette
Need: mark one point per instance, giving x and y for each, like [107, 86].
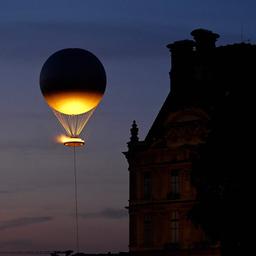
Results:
[202, 74]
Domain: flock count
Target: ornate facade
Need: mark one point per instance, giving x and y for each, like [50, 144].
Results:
[161, 193]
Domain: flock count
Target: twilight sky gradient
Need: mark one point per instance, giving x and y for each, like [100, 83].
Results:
[129, 37]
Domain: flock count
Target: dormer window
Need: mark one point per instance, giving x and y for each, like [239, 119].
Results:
[174, 185]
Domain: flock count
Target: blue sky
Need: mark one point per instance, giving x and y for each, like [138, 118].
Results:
[129, 37]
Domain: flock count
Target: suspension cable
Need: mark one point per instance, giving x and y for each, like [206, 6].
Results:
[76, 204]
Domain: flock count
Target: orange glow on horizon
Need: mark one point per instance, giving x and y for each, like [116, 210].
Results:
[73, 103]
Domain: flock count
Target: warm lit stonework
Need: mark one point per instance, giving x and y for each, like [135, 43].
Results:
[161, 193]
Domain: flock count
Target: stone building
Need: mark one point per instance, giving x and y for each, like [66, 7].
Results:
[161, 193]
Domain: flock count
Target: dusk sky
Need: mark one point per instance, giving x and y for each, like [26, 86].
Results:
[130, 38]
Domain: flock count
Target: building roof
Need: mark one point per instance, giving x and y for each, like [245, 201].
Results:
[222, 68]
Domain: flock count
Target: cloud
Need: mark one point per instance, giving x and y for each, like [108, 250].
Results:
[21, 222]
[20, 243]
[108, 213]
[116, 37]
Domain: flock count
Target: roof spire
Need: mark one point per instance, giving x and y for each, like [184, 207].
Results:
[134, 132]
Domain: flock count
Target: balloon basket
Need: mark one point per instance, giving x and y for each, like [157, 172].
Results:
[73, 142]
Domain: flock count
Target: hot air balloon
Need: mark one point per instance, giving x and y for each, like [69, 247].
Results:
[73, 82]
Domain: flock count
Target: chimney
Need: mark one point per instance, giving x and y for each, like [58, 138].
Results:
[205, 39]
[182, 55]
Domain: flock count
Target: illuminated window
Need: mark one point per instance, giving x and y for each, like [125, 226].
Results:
[175, 227]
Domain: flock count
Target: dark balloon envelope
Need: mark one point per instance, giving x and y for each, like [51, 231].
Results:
[73, 81]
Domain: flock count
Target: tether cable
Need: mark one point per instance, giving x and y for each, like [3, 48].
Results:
[76, 204]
